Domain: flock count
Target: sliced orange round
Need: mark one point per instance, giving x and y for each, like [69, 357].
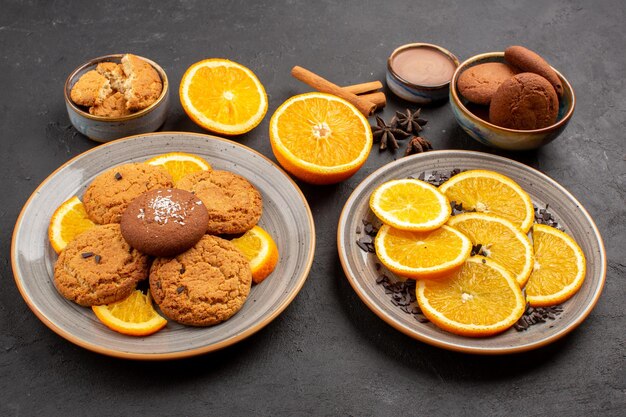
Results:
[133, 316]
[179, 164]
[559, 269]
[491, 192]
[421, 254]
[500, 240]
[223, 96]
[410, 204]
[320, 138]
[68, 221]
[260, 249]
[481, 298]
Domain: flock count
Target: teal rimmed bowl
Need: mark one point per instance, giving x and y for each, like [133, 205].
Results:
[474, 122]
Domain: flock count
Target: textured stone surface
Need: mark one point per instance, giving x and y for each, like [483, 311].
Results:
[327, 354]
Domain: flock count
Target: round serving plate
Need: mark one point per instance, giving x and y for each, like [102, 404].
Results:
[286, 216]
[361, 270]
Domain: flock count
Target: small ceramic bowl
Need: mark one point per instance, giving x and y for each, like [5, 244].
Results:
[474, 119]
[105, 129]
[416, 93]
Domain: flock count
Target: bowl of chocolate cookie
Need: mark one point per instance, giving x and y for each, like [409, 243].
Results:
[115, 96]
[511, 100]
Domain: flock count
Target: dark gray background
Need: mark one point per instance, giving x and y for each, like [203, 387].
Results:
[327, 354]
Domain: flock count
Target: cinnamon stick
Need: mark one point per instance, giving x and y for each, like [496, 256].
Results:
[320, 84]
[364, 87]
[378, 98]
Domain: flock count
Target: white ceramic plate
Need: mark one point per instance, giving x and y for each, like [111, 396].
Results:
[360, 269]
[286, 216]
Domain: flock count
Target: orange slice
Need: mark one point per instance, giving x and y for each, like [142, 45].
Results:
[559, 269]
[491, 192]
[179, 164]
[410, 204]
[421, 254]
[223, 96]
[260, 249]
[481, 298]
[68, 221]
[133, 316]
[499, 240]
[320, 138]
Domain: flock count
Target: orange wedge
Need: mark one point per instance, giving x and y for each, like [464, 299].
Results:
[320, 138]
[68, 221]
[499, 240]
[133, 316]
[410, 204]
[421, 254]
[179, 164]
[491, 192]
[559, 269]
[223, 96]
[480, 299]
[260, 249]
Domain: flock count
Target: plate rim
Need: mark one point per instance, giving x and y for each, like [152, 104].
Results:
[371, 304]
[171, 355]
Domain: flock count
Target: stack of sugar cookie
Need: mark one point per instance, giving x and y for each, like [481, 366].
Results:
[115, 90]
[177, 234]
[522, 93]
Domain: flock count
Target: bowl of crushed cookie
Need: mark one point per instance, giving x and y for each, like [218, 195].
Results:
[117, 95]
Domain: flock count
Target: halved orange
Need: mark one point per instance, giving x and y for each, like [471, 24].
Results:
[491, 192]
[559, 269]
[68, 221]
[320, 138]
[260, 249]
[421, 254]
[223, 96]
[410, 204]
[179, 164]
[133, 316]
[500, 241]
[481, 298]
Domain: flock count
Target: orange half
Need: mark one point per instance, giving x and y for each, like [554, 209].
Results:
[223, 96]
[320, 138]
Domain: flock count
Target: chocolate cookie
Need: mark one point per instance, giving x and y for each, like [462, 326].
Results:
[480, 82]
[99, 267]
[234, 205]
[203, 286]
[529, 61]
[109, 193]
[526, 101]
[164, 222]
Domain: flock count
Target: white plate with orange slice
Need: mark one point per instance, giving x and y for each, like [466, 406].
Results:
[286, 218]
[364, 269]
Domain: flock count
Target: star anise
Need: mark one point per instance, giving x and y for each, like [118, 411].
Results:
[387, 135]
[417, 144]
[409, 121]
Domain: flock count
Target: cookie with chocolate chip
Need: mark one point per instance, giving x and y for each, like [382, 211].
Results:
[203, 286]
[109, 193]
[233, 203]
[99, 267]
